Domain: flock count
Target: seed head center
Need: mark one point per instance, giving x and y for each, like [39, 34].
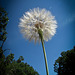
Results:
[39, 25]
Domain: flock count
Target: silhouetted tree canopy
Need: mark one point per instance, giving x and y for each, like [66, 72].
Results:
[65, 65]
[8, 65]
[3, 23]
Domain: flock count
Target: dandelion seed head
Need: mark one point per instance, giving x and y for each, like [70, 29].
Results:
[35, 19]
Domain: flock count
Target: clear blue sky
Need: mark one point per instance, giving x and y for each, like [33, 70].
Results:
[63, 40]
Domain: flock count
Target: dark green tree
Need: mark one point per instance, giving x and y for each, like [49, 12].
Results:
[65, 65]
[8, 65]
[3, 23]
[18, 68]
[20, 59]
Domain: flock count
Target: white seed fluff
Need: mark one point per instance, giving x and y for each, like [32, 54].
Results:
[36, 19]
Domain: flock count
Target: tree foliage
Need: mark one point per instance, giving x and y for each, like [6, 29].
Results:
[3, 23]
[65, 65]
[8, 65]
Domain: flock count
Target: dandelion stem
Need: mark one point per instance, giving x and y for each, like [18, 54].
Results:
[42, 41]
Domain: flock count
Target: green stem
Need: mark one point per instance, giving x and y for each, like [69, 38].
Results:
[42, 41]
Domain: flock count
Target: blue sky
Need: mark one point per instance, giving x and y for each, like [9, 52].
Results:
[63, 40]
